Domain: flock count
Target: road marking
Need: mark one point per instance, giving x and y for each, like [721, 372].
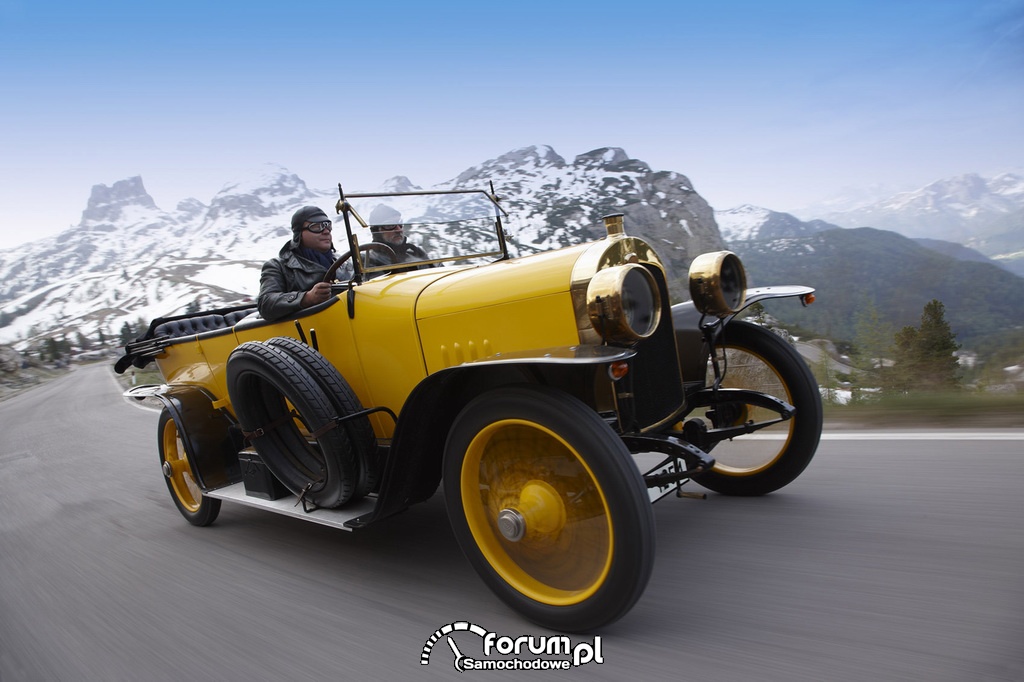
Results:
[902, 435]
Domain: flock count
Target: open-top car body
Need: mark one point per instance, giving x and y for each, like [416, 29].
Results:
[555, 395]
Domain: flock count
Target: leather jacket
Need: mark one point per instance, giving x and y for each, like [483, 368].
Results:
[283, 282]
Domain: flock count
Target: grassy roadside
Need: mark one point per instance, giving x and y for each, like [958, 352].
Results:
[140, 376]
[27, 379]
[941, 410]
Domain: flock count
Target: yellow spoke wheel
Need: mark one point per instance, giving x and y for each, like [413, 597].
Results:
[548, 506]
[757, 359]
[743, 457]
[536, 512]
[185, 491]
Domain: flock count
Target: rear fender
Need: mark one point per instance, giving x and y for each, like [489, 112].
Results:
[210, 442]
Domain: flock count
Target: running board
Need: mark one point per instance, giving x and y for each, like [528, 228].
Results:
[336, 518]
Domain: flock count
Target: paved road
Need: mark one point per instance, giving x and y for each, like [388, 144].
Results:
[890, 559]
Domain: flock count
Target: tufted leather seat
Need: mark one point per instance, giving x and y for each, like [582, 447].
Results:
[190, 326]
[233, 318]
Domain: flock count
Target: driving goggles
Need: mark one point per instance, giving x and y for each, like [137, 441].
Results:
[317, 228]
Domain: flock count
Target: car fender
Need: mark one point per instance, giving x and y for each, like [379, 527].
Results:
[211, 444]
[686, 320]
[412, 471]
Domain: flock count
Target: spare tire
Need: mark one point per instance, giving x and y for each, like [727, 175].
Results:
[345, 402]
[290, 420]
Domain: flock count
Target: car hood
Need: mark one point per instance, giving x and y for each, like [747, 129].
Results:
[512, 280]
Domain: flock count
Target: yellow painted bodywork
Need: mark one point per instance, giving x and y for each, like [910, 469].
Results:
[510, 306]
[409, 325]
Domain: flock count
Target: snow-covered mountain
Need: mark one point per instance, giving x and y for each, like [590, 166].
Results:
[985, 214]
[968, 217]
[129, 259]
[741, 227]
[746, 223]
[950, 209]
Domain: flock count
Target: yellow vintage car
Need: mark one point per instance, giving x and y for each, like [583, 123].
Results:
[553, 396]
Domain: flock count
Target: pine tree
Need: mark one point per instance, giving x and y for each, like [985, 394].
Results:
[127, 335]
[924, 354]
[936, 344]
[51, 348]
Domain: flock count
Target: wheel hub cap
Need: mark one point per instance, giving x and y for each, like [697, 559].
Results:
[511, 524]
[539, 512]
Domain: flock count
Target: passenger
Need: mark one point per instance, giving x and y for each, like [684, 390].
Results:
[387, 228]
[294, 280]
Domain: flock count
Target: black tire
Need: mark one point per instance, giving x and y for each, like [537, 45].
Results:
[345, 402]
[197, 509]
[758, 359]
[266, 385]
[588, 540]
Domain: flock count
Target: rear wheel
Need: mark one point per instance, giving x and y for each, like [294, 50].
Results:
[549, 508]
[757, 359]
[197, 509]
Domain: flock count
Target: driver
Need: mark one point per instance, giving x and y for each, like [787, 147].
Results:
[294, 280]
[387, 228]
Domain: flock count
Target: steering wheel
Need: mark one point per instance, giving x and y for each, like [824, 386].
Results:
[369, 246]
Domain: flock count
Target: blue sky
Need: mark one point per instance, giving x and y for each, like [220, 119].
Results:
[775, 104]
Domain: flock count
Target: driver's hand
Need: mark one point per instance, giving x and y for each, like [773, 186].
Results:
[320, 292]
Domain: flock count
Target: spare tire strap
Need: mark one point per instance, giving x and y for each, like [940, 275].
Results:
[307, 506]
[333, 423]
[262, 430]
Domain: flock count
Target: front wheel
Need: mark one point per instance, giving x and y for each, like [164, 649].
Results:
[757, 359]
[548, 507]
[197, 509]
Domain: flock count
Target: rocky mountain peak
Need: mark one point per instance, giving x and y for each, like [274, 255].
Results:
[189, 209]
[747, 223]
[1008, 185]
[263, 191]
[537, 154]
[399, 183]
[269, 178]
[107, 204]
[968, 209]
[612, 159]
[534, 159]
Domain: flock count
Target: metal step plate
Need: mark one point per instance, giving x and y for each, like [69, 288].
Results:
[289, 507]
